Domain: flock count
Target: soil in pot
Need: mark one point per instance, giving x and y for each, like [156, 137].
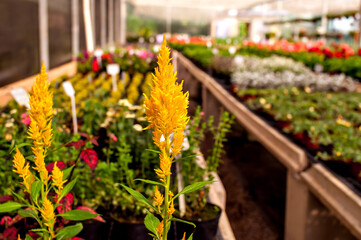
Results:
[95, 230]
[206, 224]
[128, 230]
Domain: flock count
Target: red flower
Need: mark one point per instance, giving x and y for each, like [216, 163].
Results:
[77, 144]
[59, 164]
[95, 65]
[25, 118]
[11, 233]
[90, 157]
[65, 203]
[88, 209]
[5, 220]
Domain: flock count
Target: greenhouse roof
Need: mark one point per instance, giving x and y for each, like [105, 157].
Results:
[206, 10]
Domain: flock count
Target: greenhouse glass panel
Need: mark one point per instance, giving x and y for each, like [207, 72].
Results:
[19, 50]
[59, 31]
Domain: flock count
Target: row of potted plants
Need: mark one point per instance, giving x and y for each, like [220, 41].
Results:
[319, 111]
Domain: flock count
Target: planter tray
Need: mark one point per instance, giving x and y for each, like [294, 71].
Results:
[65, 69]
[217, 196]
[334, 194]
[288, 153]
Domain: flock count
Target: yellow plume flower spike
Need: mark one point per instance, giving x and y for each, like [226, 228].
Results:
[158, 198]
[171, 209]
[184, 236]
[47, 212]
[160, 229]
[22, 168]
[57, 176]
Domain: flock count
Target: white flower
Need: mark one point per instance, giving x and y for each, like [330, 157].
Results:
[138, 127]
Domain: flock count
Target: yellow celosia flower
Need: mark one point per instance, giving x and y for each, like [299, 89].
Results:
[160, 230]
[166, 111]
[184, 236]
[22, 169]
[57, 176]
[47, 212]
[158, 198]
[171, 209]
[41, 111]
[166, 108]
[165, 165]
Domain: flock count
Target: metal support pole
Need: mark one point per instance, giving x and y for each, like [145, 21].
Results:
[324, 18]
[359, 25]
[169, 18]
[92, 13]
[88, 26]
[111, 22]
[116, 20]
[44, 33]
[75, 27]
[123, 21]
[103, 25]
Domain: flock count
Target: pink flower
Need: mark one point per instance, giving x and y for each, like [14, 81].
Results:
[65, 203]
[5, 220]
[50, 166]
[25, 118]
[88, 209]
[113, 137]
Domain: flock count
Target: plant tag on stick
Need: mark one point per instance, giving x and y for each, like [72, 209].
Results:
[21, 96]
[182, 200]
[113, 70]
[98, 54]
[69, 90]
[123, 78]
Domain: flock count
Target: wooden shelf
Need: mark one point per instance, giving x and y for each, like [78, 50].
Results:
[65, 69]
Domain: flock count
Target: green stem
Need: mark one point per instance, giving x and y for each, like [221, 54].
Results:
[166, 197]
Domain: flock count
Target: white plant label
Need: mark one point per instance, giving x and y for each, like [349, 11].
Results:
[123, 78]
[21, 96]
[113, 70]
[215, 51]
[90, 78]
[318, 68]
[209, 44]
[98, 54]
[69, 90]
[232, 50]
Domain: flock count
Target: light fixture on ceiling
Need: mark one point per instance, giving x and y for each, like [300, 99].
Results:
[232, 12]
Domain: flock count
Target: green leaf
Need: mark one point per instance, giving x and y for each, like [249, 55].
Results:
[35, 190]
[67, 188]
[149, 181]
[38, 230]
[193, 187]
[151, 223]
[27, 237]
[140, 197]
[69, 232]
[19, 146]
[10, 206]
[183, 221]
[67, 172]
[18, 196]
[78, 215]
[29, 213]
[151, 150]
[190, 237]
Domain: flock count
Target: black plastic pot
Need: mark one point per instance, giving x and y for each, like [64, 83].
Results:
[129, 231]
[95, 230]
[205, 230]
